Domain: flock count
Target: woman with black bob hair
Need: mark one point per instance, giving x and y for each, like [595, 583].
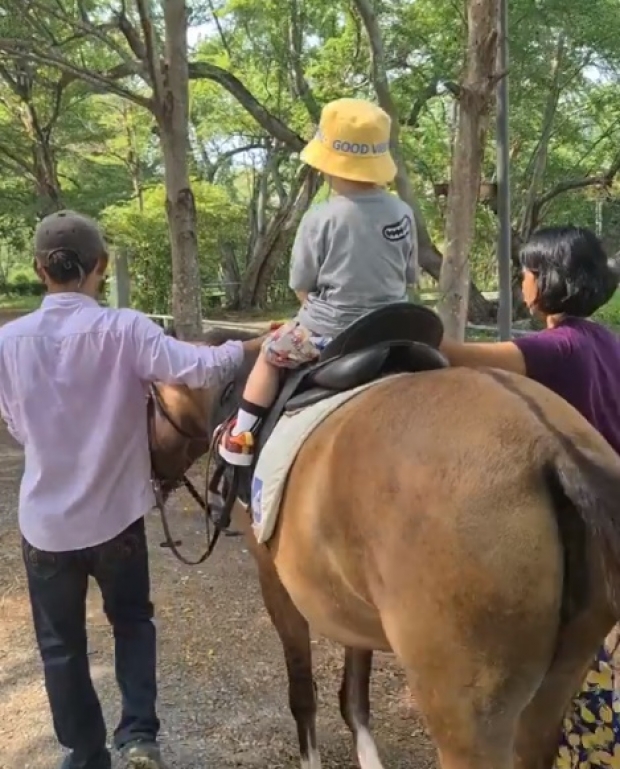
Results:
[572, 272]
[567, 277]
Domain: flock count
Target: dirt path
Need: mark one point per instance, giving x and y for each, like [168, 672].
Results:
[223, 700]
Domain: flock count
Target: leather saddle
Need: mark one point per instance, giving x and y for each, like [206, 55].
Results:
[397, 338]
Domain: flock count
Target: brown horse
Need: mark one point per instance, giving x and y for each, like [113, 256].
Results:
[460, 519]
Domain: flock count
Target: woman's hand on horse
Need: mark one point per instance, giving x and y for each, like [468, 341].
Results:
[503, 355]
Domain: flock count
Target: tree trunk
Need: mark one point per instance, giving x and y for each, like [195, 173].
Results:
[132, 157]
[44, 167]
[429, 257]
[480, 309]
[46, 180]
[275, 239]
[230, 274]
[172, 113]
[538, 163]
[276, 242]
[474, 100]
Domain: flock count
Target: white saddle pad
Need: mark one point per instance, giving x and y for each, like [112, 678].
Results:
[280, 451]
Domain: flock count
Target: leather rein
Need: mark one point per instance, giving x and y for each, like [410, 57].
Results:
[217, 506]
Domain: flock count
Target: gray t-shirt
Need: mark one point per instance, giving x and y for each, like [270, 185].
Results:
[353, 254]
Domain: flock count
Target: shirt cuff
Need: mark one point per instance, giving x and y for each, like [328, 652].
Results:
[235, 350]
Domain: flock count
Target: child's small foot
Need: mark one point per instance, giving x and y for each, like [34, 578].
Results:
[236, 449]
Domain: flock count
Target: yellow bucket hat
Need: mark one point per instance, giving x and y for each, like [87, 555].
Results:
[353, 142]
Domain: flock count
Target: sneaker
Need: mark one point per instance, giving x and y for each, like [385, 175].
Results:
[236, 449]
[143, 755]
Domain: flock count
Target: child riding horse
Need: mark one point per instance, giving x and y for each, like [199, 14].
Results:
[352, 254]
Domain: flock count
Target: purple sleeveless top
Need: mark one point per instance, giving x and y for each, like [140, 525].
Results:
[580, 361]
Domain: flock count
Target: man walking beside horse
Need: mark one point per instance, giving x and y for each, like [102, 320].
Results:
[73, 383]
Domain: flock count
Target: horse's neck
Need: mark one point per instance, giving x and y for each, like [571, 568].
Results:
[188, 408]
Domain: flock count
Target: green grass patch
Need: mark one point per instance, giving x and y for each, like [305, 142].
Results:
[15, 303]
[609, 315]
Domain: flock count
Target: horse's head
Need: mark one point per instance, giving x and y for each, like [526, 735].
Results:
[183, 420]
[224, 400]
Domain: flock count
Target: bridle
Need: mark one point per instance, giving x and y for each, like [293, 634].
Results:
[219, 496]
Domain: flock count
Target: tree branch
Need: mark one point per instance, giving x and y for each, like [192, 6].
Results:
[18, 49]
[83, 27]
[220, 30]
[431, 90]
[277, 182]
[59, 90]
[11, 81]
[377, 57]
[203, 70]
[228, 155]
[600, 180]
[132, 36]
[153, 59]
[426, 250]
[16, 159]
[538, 162]
[304, 92]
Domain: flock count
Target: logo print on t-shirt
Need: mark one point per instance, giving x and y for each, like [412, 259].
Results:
[400, 230]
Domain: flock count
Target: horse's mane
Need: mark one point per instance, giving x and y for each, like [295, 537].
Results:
[217, 335]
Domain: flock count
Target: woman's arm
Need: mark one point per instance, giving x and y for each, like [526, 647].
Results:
[302, 296]
[502, 355]
[540, 355]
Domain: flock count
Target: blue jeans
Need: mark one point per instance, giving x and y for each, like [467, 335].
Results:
[58, 584]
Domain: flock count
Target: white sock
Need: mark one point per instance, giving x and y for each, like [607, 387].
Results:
[245, 422]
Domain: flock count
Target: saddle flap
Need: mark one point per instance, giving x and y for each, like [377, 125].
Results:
[307, 398]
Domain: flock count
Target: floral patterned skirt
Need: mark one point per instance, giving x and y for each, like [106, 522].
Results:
[591, 733]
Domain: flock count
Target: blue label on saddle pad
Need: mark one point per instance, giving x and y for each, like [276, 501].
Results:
[257, 500]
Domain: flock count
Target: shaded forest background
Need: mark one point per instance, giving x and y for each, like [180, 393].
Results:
[179, 125]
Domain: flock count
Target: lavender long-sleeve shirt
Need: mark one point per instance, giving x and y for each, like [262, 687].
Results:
[73, 380]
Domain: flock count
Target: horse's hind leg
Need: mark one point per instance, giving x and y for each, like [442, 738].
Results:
[295, 637]
[355, 705]
[469, 731]
[471, 683]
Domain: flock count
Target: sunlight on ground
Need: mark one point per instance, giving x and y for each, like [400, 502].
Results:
[26, 734]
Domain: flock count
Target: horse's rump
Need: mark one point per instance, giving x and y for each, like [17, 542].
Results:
[437, 479]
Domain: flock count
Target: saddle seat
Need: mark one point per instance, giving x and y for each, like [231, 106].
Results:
[397, 338]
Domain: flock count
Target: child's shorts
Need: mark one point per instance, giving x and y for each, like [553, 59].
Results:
[292, 345]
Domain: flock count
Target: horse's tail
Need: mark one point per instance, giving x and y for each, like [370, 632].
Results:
[590, 481]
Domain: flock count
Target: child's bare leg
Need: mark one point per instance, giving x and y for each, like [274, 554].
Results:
[236, 444]
[262, 385]
[260, 392]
